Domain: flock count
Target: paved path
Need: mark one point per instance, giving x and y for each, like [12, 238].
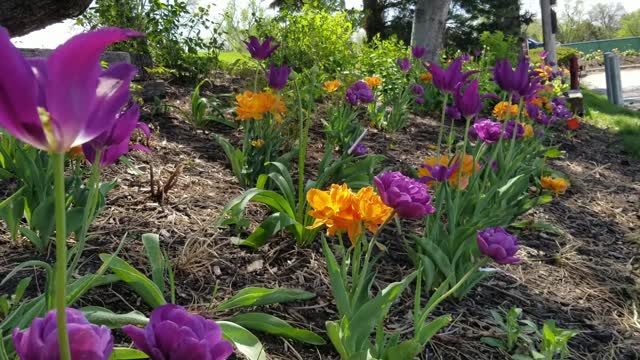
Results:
[630, 85]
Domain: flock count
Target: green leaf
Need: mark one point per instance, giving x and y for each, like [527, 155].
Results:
[269, 227]
[365, 318]
[335, 335]
[554, 153]
[245, 342]
[152, 249]
[75, 217]
[101, 316]
[30, 263]
[338, 286]
[126, 353]
[406, 350]
[20, 289]
[427, 332]
[254, 296]
[493, 342]
[141, 284]
[275, 326]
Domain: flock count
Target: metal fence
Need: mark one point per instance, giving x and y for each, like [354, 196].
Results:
[587, 47]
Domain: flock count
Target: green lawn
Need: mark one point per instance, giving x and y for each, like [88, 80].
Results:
[603, 114]
[229, 58]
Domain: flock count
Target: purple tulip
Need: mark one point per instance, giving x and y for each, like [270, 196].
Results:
[360, 150]
[439, 172]
[499, 245]
[114, 142]
[359, 92]
[468, 101]
[417, 89]
[544, 54]
[453, 113]
[409, 198]
[278, 76]
[258, 50]
[419, 100]
[86, 340]
[516, 82]
[418, 52]
[509, 128]
[449, 79]
[465, 57]
[477, 52]
[174, 333]
[486, 130]
[404, 64]
[66, 99]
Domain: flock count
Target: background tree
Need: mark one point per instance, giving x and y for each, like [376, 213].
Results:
[630, 25]
[607, 16]
[468, 19]
[21, 17]
[429, 25]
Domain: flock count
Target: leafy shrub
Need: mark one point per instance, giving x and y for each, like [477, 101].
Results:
[564, 55]
[176, 32]
[312, 35]
[379, 58]
[498, 46]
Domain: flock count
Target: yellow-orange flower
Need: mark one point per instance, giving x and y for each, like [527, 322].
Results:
[371, 209]
[331, 85]
[339, 209]
[467, 168]
[76, 153]
[254, 105]
[501, 109]
[467, 164]
[528, 131]
[544, 71]
[373, 81]
[557, 185]
[538, 101]
[426, 77]
[334, 209]
[257, 143]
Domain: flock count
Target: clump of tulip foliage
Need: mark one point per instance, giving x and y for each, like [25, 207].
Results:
[466, 193]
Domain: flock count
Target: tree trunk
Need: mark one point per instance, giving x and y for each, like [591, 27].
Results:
[374, 18]
[21, 17]
[429, 25]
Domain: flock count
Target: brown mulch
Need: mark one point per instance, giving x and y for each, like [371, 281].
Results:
[584, 275]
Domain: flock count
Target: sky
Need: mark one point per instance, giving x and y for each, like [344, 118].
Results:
[56, 34]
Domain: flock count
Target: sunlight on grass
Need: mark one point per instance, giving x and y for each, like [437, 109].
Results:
[229, 58]
[603, 114]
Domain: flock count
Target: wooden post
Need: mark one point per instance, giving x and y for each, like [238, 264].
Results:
[547, 32]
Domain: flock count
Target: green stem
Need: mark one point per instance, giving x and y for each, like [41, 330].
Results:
[367, 258]
[88, 213]
[471, 271]
[60, 281]
[440, 133]
[515, 132]
[302, 154]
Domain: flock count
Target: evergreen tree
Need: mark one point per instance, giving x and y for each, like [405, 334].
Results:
[468, 19]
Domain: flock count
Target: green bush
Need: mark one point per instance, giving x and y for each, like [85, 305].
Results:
[379, 58]
[311, 37]
[498, 46]
[564, 55]
[179, 36]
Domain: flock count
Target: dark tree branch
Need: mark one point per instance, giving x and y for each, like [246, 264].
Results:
[21, 17]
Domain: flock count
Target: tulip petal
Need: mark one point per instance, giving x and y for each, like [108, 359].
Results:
[112, 95]
[73, 70]
[19, 95]
[138, 336]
